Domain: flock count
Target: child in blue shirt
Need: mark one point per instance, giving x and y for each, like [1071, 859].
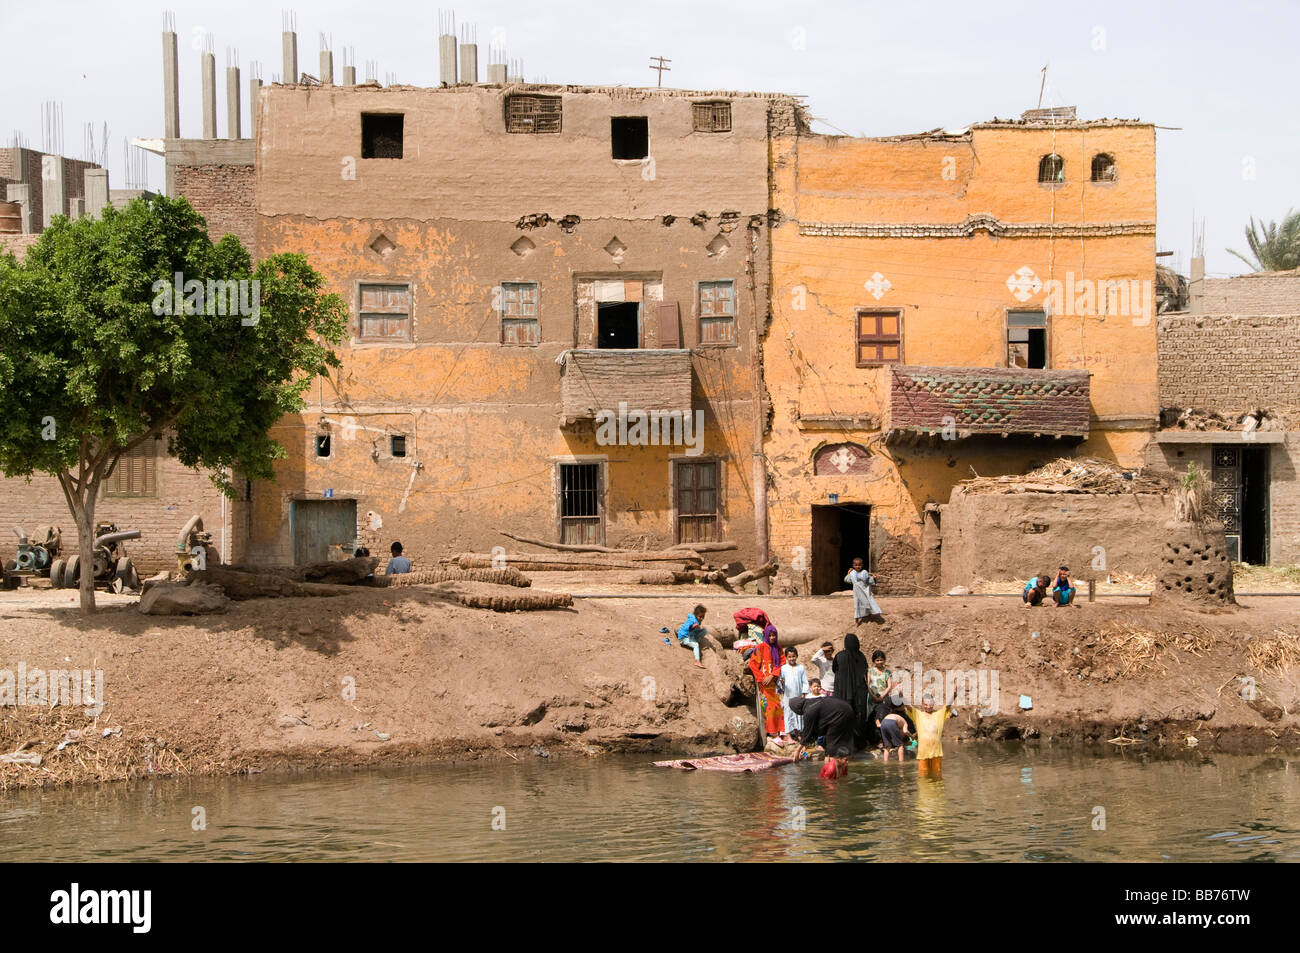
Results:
[692, 632]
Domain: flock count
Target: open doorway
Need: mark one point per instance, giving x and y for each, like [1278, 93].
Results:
[616, 324]
[840, 532]
[1254, 505]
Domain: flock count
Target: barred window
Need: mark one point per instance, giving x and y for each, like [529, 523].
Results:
[711, 117]
[136, 472]
[519, 313]
[528, 113]
[718, 312]
[1051, 170]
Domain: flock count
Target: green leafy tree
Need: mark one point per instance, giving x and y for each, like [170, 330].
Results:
[1275, 247]
[99, 353]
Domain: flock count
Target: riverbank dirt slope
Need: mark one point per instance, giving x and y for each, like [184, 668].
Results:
[401, 675]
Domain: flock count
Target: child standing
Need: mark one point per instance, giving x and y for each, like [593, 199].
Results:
[824, 659]
[794, 684]
[929, 723]
[692, 632]
[864, 604]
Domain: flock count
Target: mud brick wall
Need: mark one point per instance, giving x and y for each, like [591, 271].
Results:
[1230, 363]
[181, 493]
[1264, 294]
[224, 195]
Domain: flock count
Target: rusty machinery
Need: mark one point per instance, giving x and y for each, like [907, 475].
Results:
[194, 549]
[39, 556]
[36, 554]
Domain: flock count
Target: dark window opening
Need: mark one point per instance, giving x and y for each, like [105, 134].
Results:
[381, 136]
[711, 117]
[1027, 339]
[397, 445]
[880, 337]
[629, 137]
[1051, 170]
[533, 113]
[580, 519]
[616, 325]
[322, 445]
[697, 502]
[1103, 168]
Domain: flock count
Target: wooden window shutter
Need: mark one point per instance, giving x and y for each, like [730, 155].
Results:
[670, 325]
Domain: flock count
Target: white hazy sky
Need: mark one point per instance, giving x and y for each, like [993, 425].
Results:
[1224, 73]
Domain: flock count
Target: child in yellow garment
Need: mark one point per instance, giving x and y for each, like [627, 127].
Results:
[929, 723]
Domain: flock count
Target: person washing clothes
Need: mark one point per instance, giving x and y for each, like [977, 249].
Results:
[864, 604]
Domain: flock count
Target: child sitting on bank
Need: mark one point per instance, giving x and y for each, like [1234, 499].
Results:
[929, 722]
[692, 632]
[1063, 588]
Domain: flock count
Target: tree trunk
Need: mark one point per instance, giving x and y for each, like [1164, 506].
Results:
[85, 518]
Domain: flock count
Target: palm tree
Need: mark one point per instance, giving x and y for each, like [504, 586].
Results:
[1275, 247]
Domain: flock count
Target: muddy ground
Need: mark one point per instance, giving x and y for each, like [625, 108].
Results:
[400, 676]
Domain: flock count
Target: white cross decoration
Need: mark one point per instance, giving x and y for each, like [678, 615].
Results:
[842, 459]
[1024, 284]
[878, 285]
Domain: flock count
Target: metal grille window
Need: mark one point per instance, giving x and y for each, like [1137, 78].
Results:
[711, 117]
[533, 113]
[697, 502]
[1051, 170]
[580, 504]
[717, 312]
[519, 313]
[136, 472]
[385, 312]
[1103, 168]
[880, 337]
[1225, 478]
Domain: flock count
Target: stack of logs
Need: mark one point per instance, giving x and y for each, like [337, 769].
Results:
[678, 565]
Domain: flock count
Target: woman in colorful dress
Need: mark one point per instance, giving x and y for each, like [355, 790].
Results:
[765, 664]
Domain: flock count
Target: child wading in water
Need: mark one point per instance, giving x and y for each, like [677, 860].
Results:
[864, 604]
[692, 632]
[929, 723]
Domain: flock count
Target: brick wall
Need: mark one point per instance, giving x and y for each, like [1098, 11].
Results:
[988, 400]
[222, 194]
[1262, 294]
[1229, 363]
[181, 493]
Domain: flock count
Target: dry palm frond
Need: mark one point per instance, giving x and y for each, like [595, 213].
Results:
[1274, 655]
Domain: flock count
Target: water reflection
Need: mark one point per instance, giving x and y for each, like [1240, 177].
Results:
[994, 802]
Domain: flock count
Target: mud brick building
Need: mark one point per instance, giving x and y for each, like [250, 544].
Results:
[1230, 400]
[943, 304]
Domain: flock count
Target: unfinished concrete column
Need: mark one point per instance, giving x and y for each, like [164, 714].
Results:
[54, 194]
[96, 192]
[447, 59]
[327, 67]
[469, 62]
[254, 88]
[1196, 287]
[349, 76]
[208, 74]
[289, 47]
[171, 88]
[496, 74]
[233, 124]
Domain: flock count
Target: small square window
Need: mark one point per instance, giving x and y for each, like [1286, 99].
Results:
[519, 313]
[537, 114]
[629, 137]
[381, 135]
[880, 337]
[322, 445]
[717, 312]
[397, 445]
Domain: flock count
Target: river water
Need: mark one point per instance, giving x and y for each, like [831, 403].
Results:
[995, 802]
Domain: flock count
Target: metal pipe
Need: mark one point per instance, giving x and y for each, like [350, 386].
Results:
[196, 522]
[109, 538]
[22, 537]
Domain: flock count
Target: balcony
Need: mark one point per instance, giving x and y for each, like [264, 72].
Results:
[959, 402]
[595, 380]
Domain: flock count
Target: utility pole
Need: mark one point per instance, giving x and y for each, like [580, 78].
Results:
[661, 68]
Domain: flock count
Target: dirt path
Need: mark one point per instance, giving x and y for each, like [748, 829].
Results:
[388, 676]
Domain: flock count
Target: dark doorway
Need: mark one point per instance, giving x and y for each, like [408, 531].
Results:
[1254, 505]
[616, 325]
[840, 533]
